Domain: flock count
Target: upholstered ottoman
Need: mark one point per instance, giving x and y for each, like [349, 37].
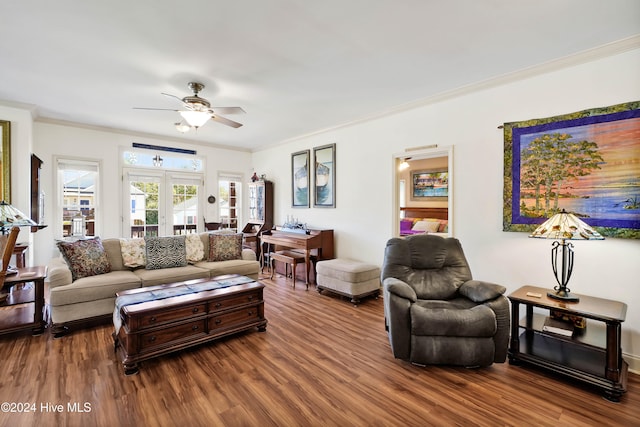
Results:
[348, 277]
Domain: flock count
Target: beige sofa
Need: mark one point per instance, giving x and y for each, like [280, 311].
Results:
[92, 298]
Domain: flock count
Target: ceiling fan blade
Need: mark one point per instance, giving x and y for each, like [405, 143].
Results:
[157, 109]
[172, 96]
[225, 121]
[228, 110]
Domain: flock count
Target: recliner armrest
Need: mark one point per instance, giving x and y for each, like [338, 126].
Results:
[400, 288]
[480, 291]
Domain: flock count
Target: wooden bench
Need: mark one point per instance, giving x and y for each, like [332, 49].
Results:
[288, 258]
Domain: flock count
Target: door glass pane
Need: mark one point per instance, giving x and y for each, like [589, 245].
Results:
[145, 202]
[185, 208]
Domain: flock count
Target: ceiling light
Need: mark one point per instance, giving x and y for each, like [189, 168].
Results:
[182, 126]
[404, 165]
[196, 118]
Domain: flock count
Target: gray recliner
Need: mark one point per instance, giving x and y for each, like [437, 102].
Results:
[435, 313]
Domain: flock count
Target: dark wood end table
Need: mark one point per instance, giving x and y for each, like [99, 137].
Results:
[24, 306]
[593, 356]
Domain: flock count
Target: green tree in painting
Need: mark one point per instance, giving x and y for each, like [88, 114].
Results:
[552, 160]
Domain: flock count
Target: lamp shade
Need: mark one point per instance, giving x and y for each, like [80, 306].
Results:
[10, 216]
[566, 226]
[195, 118]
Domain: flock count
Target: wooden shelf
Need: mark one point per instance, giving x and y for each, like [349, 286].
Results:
[595, 334]
[20, 294]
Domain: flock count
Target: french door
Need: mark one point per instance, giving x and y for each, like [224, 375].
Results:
[161, 203]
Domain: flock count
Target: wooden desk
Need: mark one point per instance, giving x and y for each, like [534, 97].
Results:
[593, 356]
[319, 240]
[24, 306]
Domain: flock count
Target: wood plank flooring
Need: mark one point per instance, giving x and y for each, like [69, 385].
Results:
[321, 362]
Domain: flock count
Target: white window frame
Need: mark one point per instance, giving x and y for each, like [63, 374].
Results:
[82, 164]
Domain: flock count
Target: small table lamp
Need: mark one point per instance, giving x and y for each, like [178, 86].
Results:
[564, 226]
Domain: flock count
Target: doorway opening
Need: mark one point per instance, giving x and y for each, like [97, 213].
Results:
[423, 191]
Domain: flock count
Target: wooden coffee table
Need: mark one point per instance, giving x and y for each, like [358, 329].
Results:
[150, 328]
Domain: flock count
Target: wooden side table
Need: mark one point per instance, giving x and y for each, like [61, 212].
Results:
[593, 356]
[24, 306]
[19, 251]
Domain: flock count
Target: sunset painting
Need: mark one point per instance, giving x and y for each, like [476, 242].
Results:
[589, 166]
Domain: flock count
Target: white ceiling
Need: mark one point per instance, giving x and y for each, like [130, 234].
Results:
[295, 66]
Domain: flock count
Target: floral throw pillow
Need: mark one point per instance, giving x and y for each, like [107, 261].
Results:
[195, 248]
[165, 252]
[85, 257]
[225, 247]
[133, 252]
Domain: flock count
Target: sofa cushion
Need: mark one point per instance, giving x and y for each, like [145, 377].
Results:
[243, 267]
[225, 247]
[170, 275]
[134, 252]
[478, 321]
[165, 252]
[94, 288]
[114, 253]
[195, 248]
[85, 257]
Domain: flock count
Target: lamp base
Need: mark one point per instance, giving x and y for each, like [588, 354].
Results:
[563, 295]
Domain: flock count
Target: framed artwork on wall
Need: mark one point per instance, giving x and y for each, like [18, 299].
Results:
[300, 179]
[430, 184]
[324, 176]
[587, 163]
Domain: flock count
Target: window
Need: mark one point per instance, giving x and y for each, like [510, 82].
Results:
[77, 211]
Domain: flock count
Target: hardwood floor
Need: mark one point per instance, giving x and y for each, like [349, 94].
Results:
[320, 362]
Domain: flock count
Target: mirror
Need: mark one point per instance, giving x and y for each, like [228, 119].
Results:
[5, 161]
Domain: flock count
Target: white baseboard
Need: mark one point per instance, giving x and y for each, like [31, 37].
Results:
[633, 361]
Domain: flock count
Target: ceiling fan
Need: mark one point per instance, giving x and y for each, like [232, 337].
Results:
[197, 111]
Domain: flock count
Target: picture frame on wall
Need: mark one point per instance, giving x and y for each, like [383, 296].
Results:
[430, 184]
[300, 179]
[324, 176]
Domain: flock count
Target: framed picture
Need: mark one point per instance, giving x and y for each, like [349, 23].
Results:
[324, 176]
[587, 163]
[430, 184]
[300, 179]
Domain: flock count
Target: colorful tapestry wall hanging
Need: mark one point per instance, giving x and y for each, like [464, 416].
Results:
[587, 163]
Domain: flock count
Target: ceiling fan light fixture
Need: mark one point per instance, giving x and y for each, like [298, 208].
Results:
[182, 127]
[196, 118]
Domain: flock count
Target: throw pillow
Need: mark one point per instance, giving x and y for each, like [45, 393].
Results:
[195, 248]
[165, 252]
[225, 247]
[133, 252]
[85, 257]
[427, 226]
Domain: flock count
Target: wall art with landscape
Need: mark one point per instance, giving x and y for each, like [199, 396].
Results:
[587, 163]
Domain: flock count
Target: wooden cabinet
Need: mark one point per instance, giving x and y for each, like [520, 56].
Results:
[154, 328]
[260, 213]
[37, 199]
[261, 203]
